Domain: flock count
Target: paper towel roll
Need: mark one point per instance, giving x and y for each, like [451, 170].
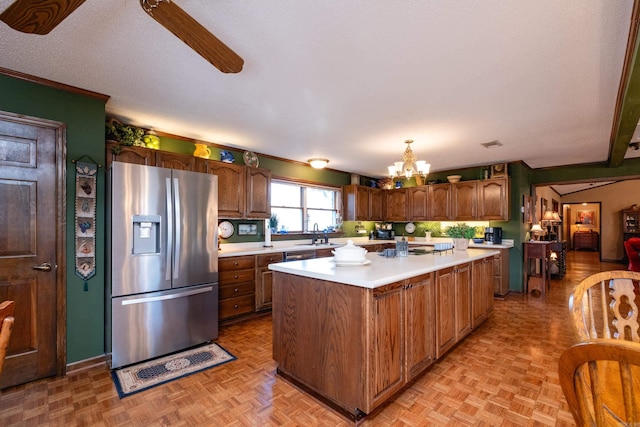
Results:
[267, 234]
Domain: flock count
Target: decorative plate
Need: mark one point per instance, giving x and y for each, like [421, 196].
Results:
[226, 156]
[250, 159]
[410, 227]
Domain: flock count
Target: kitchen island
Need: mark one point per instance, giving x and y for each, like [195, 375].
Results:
[355, 336]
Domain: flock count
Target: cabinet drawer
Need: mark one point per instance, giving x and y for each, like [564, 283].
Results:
[237, 276]
[232, 291]
[264, 260]
[236, 306]
[236, 263]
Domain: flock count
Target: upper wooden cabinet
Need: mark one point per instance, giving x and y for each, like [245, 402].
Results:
[258, 193]
[396, 205]
[493, 199]
[362, 203]
[439, 202]
[231, 188]
[243, 192]
[418, 203]
[166, 159]
[130, 154]
[464, 200]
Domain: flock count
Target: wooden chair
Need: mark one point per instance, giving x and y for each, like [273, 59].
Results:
[604, 306]
[601, 382]
[6, 324]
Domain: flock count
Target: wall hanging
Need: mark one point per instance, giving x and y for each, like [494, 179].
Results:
[85, 219]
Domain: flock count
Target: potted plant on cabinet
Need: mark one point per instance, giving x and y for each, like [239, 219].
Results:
[461, 233]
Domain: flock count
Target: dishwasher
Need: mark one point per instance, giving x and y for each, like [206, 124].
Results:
[299, 255]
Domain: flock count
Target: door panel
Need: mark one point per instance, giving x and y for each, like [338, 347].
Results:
[29, 159]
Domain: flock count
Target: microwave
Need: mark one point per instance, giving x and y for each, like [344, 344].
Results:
[385, 235]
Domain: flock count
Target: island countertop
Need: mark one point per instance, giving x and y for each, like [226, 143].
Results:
[380, 270]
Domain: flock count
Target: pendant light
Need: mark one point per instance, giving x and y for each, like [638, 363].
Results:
[409, 165]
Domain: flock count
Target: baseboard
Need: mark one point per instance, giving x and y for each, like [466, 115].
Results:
[86, 364]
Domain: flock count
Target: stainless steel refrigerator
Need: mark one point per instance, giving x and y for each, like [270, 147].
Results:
[162, 273]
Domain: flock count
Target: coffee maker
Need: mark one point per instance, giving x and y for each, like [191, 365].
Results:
[493, 235]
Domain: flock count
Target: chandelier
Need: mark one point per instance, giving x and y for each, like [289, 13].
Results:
[409, 165]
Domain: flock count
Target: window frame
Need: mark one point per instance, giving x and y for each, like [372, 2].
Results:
[303, 185]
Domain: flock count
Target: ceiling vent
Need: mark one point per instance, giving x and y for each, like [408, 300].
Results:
[492, 144]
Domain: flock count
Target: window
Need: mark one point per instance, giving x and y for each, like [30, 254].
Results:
[300, 206]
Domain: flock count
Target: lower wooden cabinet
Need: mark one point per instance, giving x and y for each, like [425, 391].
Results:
[387, 350]
[264, 280]
[482, 291]
[453, 306]
[237, 286]
[419, 303]
[501, 274]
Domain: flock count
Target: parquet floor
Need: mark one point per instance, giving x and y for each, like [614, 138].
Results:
[503, 374]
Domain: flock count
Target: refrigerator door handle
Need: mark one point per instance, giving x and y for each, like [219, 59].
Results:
[167, 297]
[178, 219]
[168, 249]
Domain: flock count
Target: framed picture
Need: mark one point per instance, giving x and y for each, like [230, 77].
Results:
[526, 209]
[247, 229]
[587, 218]
[544, 206]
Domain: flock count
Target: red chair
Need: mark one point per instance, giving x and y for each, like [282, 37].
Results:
[632, 247]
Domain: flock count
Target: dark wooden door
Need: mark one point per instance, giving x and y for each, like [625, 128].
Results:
[31, 196]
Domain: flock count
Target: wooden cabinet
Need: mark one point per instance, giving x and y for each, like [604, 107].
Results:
[130, 154]
[453, 306]
[418, 203]
[419, 298]
[630, 228]
[464, 200]
[237, 286]
[586, 240]
[493, 199]
[166, 159]
[481, 291]
[445, 310]
[362, 203]
[396, 205]
[462, 274]
[501, 274]
[231, 188]
[439, 202]
[243, 192]
[388, 335]
[258, 201]
[264, 280]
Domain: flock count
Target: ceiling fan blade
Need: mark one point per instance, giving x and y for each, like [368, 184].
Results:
[182, 25]
[38, 16]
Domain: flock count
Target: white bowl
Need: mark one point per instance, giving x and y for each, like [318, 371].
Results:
[349, 253]
[454, 178]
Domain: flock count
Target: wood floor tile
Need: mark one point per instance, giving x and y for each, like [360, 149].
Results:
[503, 374]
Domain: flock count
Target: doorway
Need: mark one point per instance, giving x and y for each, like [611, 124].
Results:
[32, 242]
[582, 225]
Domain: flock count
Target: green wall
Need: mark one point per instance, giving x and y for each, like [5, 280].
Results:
[84, 117]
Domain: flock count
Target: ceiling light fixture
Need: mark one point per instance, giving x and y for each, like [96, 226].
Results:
[409, 165]
[318, 163]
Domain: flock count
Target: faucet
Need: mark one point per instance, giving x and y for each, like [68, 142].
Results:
[315, 235]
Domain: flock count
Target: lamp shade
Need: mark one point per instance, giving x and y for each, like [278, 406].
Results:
[318, 163]
[556, 217]
[548, 216]
[536, 227]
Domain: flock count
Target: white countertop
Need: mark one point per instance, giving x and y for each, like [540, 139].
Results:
[257, 248]
[380, 271]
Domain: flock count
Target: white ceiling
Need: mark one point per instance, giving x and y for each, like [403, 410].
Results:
[350, 80]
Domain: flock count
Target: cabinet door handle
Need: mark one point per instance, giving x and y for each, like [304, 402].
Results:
[235, 306]
[235, 290]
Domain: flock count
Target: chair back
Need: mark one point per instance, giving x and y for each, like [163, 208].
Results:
[6, 324]
[601, 382]
[604, 306]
